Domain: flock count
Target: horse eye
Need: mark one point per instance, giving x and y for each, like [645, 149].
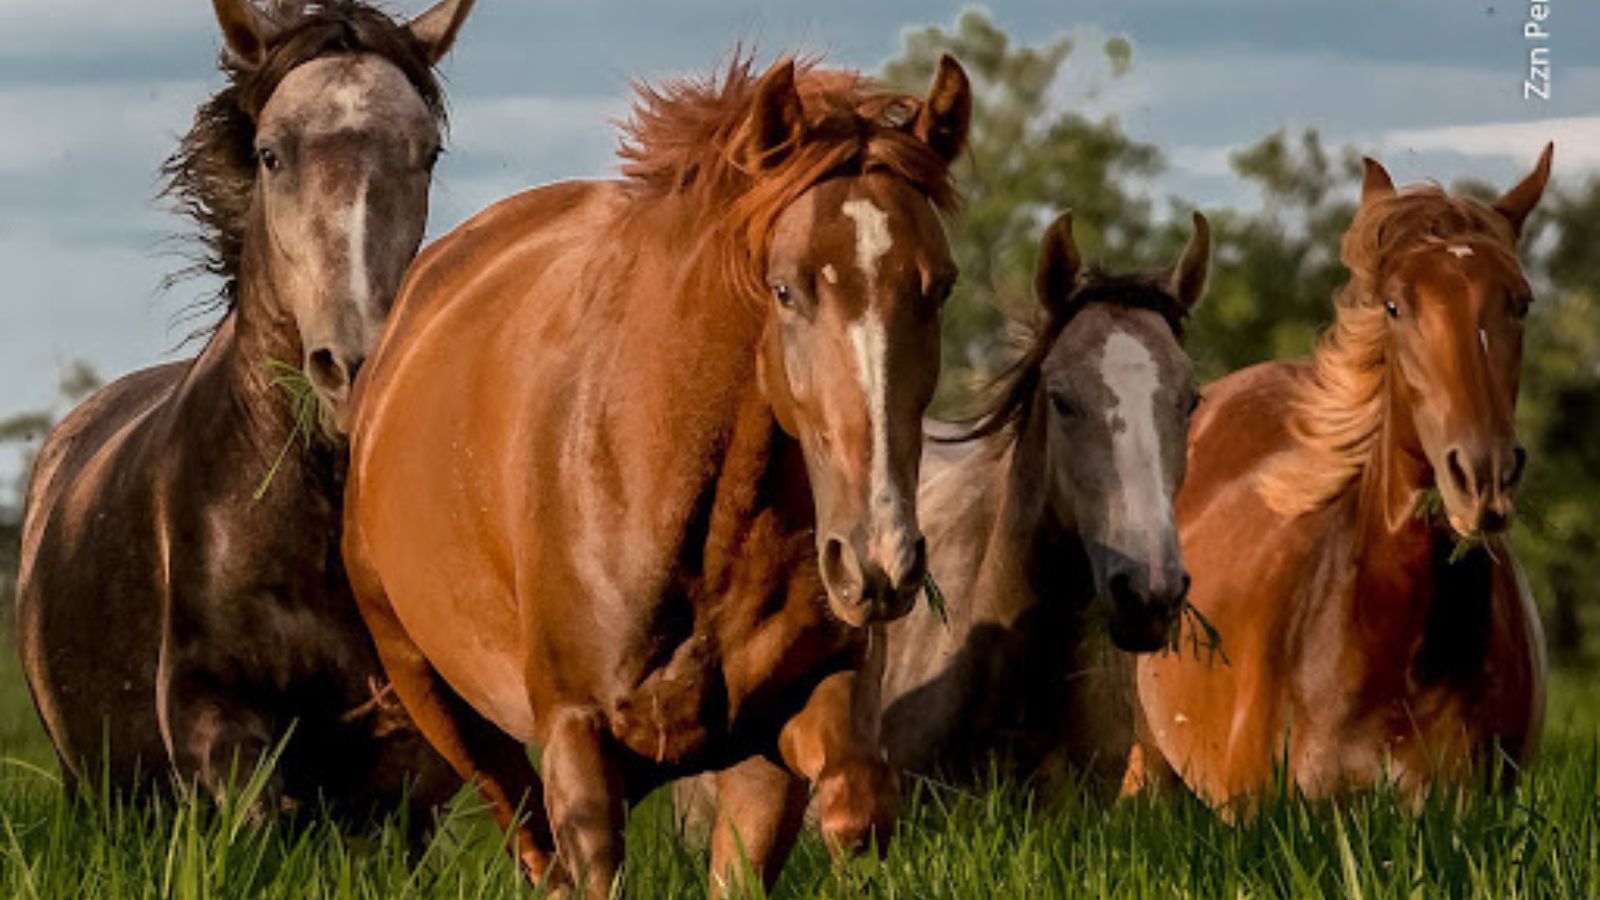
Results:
[1062, 405]
[433, 158]
[782, 294]
[1393, 308]
[1193, 403]
[269, 159]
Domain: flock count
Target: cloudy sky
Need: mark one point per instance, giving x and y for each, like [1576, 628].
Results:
[94, 92]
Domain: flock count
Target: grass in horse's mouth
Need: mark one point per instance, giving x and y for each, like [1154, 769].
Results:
[1430, 506]
[935, 598]
[305, 406]
[1202, 634]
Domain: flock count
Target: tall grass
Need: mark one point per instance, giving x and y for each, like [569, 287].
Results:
[1542, 840]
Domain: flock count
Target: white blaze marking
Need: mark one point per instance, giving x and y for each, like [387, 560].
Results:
[872, 234]
[359, 284]
[1483, 341]
[1460, 250]
[872, 366]
[829, 274]
[1130, 373]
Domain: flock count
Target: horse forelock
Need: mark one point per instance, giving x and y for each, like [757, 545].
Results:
[210, 178]
[1336, 412]
[685, 137]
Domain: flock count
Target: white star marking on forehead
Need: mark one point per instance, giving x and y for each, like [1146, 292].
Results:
[872, 234]
[1459, 251]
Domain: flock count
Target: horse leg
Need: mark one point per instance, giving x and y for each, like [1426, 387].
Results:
[479, 752]
[586, 798]
[760, 808]
[213, 739]
[858, 794]
[1148, 769]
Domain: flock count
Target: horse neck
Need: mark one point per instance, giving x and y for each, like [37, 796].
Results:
[230, 394]
[1395, 542]
[1032, 547]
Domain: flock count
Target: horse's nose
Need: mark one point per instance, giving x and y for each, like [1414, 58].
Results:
[333, 372]
[1144, 603]
[866, 587]
[1484, 480]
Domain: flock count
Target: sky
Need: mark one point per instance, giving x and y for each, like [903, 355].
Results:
[94, 93]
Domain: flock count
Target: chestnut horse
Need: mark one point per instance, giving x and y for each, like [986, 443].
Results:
[1368, 630]
[623, 437]
[177, 608]
[1049, 527]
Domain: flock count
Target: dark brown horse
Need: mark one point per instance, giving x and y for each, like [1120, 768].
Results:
[177, 608]
[1323, 518]
[624, 437]
[1050, 527]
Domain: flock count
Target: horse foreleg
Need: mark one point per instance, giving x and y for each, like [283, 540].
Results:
[760, 808]
[213, 739]
[858, 794]
[1148, 769]
[586, 799]
[478, 751]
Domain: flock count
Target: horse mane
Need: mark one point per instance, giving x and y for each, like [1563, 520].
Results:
[686, 138]
[1336, 411]
[1014, 390]
[210, 178]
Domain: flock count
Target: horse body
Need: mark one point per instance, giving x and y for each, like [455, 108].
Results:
[1061, 499]
[182, 605]
[1358, 641]
[588, 514]
[601, 486]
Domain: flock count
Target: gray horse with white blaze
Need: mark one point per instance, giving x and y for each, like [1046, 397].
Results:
[1050, 526]
[178, 611]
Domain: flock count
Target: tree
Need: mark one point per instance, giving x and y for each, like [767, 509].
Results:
[1026, 162]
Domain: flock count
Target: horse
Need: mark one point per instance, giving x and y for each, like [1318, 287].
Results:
[1344, 521]
[633, 471]
[1049, 525]
[182, 608]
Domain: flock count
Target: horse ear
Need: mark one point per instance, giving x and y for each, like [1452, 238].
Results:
[437, 28]
[1518, 202]
[1059, 264]
[246, 32]
[947, 113]
[1375, 181]
[1189, 278]
[777, 118]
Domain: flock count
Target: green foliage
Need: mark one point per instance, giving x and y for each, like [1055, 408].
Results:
[1542, 839]
[1027, 162]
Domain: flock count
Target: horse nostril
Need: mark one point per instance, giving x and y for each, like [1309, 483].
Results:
[1121, 585]
[1459, 478]
[330, 372]
[1519, 461]
[836, 573]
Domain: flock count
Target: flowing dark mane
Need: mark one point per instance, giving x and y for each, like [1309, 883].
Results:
[1014, 390]
[211, 177]
[685, 136]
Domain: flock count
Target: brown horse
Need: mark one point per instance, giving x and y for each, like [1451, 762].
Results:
[176, 609]
[1368, 631]
[1049, 526]
[623, 437]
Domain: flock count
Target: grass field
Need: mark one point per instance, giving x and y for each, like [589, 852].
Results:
[1541, 841]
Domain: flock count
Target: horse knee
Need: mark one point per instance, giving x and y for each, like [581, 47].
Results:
[859, 805]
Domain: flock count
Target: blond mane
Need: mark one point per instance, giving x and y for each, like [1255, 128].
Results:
[687, 138]
[1337, 410]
